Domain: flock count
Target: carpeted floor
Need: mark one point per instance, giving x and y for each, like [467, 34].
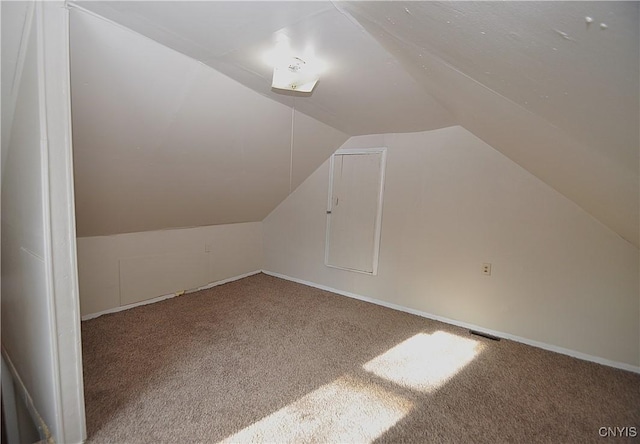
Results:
[263, 359]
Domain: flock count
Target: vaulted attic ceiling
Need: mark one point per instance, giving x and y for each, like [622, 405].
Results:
[162, 141]
[552, 85]
[365, 89]
[555, 93]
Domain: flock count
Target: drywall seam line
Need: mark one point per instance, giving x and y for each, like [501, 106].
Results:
[22, 53]
[349, 17]
[429, 50]
[75, 6]
[42, 427]
[465, 325]
[370, 35]
[293, 119]
[168, 296]
[191, 227]
[72, 6]
[157, 27]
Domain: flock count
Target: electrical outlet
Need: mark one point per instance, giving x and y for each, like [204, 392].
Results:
[207, 247]
[486, 269]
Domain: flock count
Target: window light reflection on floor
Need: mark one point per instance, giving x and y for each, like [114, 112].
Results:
[346, 410]
[425, 362]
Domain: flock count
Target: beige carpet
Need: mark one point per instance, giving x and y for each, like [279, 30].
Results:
[263, 359]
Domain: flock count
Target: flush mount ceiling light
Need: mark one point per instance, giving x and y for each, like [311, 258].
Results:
[295, 76]
[292, 72]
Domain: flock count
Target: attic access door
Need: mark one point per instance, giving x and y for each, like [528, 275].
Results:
[354, 211]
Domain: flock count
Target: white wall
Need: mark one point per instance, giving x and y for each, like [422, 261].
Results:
[451, 203]
[128, 268]
[40, 310]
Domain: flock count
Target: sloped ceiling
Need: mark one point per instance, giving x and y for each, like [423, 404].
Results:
[554, 91]
[364, 90]
[552, 85]
[163, 141]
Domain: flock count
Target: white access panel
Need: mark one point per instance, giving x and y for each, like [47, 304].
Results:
[354, 210]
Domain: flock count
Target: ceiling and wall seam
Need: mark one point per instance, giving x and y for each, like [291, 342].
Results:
[356, 61]
[75, 6]
[162, 28]
[431, 52]
[204, 48]
[352, 19]
[583, 80]
[493, 92]
[221, 159]
[433, 55]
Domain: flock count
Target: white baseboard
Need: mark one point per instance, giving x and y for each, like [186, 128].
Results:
[225, 281]
[168, 296]
[542, 345]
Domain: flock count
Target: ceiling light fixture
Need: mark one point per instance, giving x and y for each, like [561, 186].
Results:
[290, 71]
[294, 76]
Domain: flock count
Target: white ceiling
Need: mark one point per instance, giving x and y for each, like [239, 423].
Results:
[163, 141]
[554, 93]
[363, 91]
[543, 56]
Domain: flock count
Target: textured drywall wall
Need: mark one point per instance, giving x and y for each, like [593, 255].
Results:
[127, 268]
[452, 203]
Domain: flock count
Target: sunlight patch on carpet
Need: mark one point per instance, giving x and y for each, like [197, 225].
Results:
[346, 410]
[425, 362]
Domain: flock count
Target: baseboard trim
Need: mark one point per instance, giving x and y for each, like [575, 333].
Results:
[168, 296]
[225, 281]
[542, 345]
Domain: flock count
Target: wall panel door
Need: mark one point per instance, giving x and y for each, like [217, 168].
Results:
[354, 209]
